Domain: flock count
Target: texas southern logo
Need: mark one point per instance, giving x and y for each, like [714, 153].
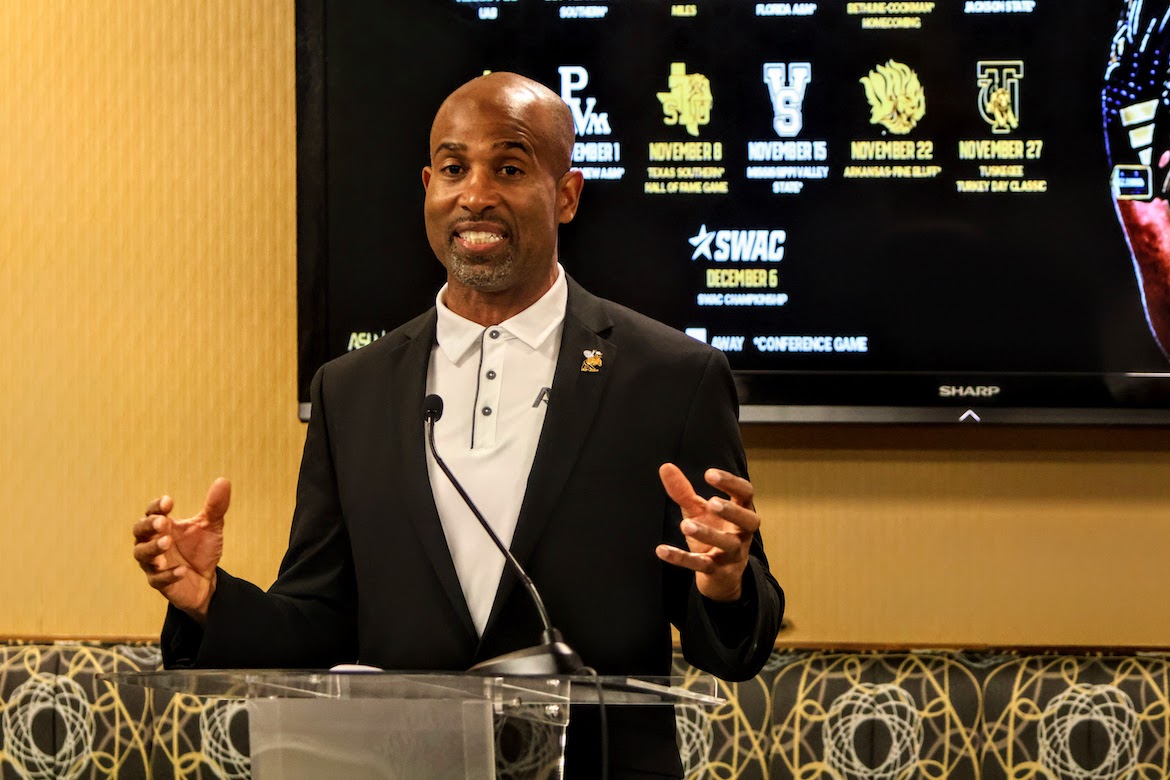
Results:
[688, 103]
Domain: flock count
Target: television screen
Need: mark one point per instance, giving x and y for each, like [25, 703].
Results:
[879, 211]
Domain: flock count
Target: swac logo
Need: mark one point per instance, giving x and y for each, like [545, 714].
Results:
[739, 246]
[787, 83]
[574, 78]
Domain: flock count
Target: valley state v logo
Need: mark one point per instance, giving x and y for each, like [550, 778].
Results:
[787, 83]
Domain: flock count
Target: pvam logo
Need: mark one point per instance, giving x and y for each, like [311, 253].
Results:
[739, 246]
[587, 121]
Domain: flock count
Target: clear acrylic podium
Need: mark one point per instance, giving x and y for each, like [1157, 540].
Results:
[309, 724]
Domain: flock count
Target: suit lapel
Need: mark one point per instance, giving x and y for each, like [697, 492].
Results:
[573, 405]
[407, 441]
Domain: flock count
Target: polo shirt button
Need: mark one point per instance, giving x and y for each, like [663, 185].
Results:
[487, 410]
[491, 374]
[495, 334]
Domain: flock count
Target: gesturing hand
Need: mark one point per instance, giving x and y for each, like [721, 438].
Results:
[719, 532]
[180, 556]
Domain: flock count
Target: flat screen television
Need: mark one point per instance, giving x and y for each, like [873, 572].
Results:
[904, 211]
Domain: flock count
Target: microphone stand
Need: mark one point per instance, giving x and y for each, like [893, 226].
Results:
[553, 655]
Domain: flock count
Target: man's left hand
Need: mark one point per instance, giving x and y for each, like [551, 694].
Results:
[719, 531]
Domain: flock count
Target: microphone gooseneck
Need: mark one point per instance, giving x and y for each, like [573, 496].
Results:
[551, 657]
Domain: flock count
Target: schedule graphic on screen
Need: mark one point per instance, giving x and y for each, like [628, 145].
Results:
[860, 203]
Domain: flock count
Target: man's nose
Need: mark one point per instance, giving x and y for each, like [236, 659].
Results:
[480, 191]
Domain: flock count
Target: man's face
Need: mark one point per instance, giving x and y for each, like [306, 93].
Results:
[494, 198]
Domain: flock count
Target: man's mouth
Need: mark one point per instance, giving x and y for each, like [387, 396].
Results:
[479, 237]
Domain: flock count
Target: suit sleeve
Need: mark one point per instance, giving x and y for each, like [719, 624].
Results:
[307, 618]
[730, 641]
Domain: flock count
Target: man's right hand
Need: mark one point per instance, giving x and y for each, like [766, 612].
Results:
[180, 556]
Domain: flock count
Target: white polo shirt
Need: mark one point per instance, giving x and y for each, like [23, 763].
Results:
[494, 383]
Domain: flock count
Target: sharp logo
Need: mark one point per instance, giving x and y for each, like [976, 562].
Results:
[574, 78]
[969, 391]
[787, 83]
[739, 246]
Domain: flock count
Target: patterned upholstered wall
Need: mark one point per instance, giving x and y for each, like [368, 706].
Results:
[808, 715]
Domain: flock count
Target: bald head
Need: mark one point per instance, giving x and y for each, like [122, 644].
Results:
[498, 187]
[549, 118]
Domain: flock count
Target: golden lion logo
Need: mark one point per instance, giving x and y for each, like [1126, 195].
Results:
[689, 101]
[1000, 112]
[896, 98]
[999, 93]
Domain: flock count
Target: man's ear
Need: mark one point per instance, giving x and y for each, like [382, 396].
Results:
[426, 176]
[569, 195]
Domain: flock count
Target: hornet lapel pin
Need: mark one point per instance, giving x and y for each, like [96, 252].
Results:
[592, 362]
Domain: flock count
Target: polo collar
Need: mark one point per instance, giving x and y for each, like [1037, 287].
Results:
[458, 337]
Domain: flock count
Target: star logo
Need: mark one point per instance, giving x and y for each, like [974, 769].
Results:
[702, 243]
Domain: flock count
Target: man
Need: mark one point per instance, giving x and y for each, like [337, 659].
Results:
[560, 407]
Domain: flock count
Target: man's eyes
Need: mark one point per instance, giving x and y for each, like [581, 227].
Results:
[508, 171]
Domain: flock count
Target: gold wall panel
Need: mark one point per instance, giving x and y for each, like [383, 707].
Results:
[960, 537]
[147, 292]
[147, 304]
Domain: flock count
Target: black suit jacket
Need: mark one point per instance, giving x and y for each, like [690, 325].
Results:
[368, 577]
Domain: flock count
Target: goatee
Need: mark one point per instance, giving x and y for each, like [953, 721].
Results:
[487, 275]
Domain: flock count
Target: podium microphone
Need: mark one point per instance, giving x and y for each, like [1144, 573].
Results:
[552, 656]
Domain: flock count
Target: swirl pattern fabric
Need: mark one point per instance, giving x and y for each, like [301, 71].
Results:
[814, 715]
[60, 721]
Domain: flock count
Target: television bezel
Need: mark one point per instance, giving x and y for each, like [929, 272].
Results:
[762, 394]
